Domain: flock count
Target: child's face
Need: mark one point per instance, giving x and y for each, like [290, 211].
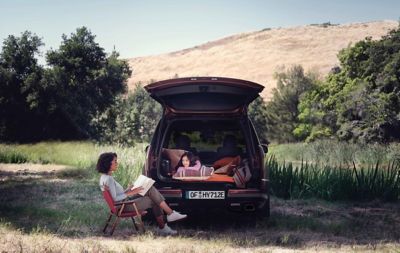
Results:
[185, 161]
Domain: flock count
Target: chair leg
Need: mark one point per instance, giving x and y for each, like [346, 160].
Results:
[107, 223]
[114, 225]
[134, 224]
[139, 225]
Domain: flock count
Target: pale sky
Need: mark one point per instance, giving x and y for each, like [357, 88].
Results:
[149, 27]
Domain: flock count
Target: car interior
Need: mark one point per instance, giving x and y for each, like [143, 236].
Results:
[211, 141]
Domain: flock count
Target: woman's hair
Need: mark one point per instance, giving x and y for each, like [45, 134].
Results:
[104, 162]
[192, 159]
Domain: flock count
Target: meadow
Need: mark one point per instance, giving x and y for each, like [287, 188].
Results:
[62, 210]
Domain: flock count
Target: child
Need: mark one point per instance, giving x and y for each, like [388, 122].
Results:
[188, 162]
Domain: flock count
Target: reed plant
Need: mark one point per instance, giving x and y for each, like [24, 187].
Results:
[365, 182]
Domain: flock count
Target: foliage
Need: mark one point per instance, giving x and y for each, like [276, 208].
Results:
[282, 110]
[131, 119]
[359, 101]
[334, 153]
[59, 101]
[84, 81]
[20, 86]
[257, 113]
[335, 183]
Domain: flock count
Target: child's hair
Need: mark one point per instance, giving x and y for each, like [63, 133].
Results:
[192, 159]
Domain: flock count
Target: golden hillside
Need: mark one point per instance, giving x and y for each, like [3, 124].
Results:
[256, 56]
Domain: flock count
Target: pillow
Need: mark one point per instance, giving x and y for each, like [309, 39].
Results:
[224, 169]
[226, 165]
[173, 155]
[202, 172]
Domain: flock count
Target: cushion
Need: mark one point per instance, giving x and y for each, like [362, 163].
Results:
[173, 155]
[226, 165]
[224, 169]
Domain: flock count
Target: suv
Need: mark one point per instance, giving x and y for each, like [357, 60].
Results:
[207, 116]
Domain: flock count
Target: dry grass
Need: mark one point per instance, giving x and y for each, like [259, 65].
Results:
[58, 213]
[256, 56]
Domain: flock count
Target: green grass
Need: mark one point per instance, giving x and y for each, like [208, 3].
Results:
[335, 183]
[80, 155]
[333, 153]
[42, 213]
[324, 169]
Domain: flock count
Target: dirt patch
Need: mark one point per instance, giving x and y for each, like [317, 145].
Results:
[30, 170]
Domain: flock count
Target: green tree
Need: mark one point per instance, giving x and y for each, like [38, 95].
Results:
[258, 115]
[83, 81]
[282, 110]
[132, 119]
[20, 77]
[359, 101]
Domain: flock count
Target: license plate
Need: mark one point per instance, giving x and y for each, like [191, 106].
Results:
[205, 194]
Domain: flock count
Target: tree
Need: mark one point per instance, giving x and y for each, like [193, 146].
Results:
[360, 100]
[20, 76]
[83, 81]
[132, 119]
[59, 101]
[258, 115]
[282, 110]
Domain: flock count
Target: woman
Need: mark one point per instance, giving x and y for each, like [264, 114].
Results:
[106, 165]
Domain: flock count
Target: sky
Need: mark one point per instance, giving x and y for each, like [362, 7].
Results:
[148, 27]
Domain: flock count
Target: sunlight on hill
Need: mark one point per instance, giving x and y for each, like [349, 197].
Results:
[256, 56]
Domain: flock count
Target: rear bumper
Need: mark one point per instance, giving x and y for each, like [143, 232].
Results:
[235, 199]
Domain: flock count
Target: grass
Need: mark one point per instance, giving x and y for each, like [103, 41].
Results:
[64, 211]
[335, 183]
[323, 169]
[79, 155]
[333, 153]
[58, 214]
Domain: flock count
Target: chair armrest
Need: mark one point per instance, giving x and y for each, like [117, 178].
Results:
[124, 202]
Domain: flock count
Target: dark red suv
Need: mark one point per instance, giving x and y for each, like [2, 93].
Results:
[207, 116]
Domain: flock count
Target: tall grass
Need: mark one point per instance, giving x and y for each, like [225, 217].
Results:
[79, 155]
[334, 153]
[325, 169]
[335, 183]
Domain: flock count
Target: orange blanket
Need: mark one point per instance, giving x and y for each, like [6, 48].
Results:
[220, 178]
[212, 178]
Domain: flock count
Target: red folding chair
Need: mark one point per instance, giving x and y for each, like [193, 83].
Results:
[117, 210]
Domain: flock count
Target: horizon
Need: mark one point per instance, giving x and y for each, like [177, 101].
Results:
[143, 29]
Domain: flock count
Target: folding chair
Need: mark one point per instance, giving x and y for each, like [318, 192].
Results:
[117, 210]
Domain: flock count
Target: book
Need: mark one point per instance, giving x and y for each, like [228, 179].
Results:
[145, 182]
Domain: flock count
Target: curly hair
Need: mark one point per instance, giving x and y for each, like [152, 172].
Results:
[104, 162]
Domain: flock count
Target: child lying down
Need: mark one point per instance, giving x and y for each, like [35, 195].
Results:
[190, 166]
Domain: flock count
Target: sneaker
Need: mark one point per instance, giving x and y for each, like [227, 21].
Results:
[175, 216]
[166, 230]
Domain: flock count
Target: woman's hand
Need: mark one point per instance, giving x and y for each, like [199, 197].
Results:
[134, 191]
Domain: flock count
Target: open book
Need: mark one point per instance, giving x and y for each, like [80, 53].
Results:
[143, 181]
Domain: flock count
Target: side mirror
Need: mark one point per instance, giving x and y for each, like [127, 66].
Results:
[146, 148]
[265, 148]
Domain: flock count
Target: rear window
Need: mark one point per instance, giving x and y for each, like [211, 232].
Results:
[210, 140]
[207, 140]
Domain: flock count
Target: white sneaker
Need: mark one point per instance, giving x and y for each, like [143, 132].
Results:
[166, 230]
[175, 216]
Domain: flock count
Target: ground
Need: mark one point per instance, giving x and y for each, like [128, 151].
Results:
[53, 208]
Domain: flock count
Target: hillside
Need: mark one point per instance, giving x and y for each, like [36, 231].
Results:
[256, 56]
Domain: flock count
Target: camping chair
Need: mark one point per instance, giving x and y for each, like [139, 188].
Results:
[117, 209]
